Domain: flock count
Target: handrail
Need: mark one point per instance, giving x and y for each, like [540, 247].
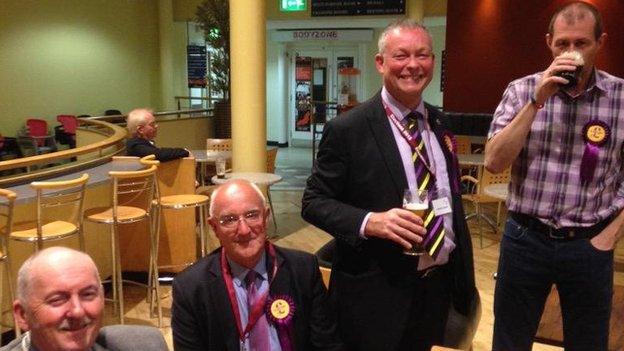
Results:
[121, 119]
[210, 100]
[115, 140]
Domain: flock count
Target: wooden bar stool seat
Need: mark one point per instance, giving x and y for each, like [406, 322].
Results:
[125, 214]
[50, 231]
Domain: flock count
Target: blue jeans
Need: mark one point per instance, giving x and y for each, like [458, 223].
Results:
[530, 262]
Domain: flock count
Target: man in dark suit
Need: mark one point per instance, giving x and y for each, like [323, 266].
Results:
[387, 300]
[249, 294]
[143, 129]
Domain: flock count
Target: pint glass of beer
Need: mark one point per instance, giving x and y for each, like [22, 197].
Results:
[417, 202]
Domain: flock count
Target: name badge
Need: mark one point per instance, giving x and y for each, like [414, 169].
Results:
[441, 206]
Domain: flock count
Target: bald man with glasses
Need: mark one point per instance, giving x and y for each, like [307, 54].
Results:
[250, 294]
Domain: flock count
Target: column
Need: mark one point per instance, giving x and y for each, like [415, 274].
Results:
[248, 75]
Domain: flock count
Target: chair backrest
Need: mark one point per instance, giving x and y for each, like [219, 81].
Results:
[219, 144]
[37, 128]
[489, 178]
[134, 188]
[271, 156]
[464, 144]
[69, 122]
[112, 112]
[7, 200]
[62, 199]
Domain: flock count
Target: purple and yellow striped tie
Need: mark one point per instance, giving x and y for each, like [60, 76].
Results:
[425, 181]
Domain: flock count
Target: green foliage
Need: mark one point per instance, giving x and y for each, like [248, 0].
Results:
[213, 16]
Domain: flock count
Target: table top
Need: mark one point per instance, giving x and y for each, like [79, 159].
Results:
[97, 175]
[258, 178]
[210, 156]
[471, 159]
[498, 191]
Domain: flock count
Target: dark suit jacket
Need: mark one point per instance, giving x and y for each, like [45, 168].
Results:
[202, 317]
[142, 147]
[359, 170]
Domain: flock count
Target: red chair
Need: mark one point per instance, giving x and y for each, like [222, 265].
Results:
[66, 132]
[36, 139]
[38, 129]
[69, 123]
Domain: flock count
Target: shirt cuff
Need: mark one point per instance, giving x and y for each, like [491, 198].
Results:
[362, 235]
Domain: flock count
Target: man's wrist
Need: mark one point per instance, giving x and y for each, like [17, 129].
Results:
[535, 103]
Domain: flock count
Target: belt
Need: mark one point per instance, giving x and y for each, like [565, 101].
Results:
[566, 233]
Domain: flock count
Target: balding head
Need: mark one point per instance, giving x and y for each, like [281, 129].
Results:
[41, 261]
[578, 11]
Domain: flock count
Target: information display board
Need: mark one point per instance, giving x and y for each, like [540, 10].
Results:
[357, 7]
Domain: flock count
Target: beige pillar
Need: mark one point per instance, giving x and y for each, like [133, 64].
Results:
[415, 9]
[248, 67]
[166, 42]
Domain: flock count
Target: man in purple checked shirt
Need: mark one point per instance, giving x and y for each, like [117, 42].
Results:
[561, 131]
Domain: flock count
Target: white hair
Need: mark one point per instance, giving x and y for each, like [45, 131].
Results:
[235, 182]
[137, 118]
[402, 23]
[24, 275]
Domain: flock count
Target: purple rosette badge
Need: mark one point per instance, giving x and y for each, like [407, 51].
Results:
[595, 133]
[280, 311]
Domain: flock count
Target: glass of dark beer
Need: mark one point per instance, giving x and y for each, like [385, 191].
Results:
[572, 76]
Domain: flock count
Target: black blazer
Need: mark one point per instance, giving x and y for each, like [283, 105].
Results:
[359, 170]
[142, 147]
[202, 317]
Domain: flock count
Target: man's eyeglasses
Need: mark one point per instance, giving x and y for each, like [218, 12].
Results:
[250, 217]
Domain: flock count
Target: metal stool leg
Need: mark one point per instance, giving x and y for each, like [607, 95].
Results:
[154, 283]
[119, 278]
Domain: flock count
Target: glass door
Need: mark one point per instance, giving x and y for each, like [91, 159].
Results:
[312, 82]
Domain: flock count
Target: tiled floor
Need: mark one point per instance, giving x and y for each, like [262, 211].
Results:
[294, 165]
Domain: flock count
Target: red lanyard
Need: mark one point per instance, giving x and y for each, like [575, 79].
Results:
[408, 137]
[257, 310]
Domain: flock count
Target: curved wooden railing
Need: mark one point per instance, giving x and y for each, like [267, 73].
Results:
[53, 164]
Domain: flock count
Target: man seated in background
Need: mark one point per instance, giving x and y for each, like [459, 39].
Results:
[249, 294]
[143, 129]
[60, 303]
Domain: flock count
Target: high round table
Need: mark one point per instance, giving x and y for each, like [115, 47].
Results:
[498, 191]
[258, 178]
[208, 156]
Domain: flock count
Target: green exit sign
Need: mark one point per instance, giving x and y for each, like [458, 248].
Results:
[292, 5]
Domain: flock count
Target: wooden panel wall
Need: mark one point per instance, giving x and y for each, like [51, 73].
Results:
[491, 42]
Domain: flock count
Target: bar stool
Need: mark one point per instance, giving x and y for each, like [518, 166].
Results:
[133, 192]
[7, 199]
[59, 213]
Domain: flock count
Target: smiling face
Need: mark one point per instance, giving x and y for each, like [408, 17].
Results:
[239, 219]
[406, 64]
[63, 304]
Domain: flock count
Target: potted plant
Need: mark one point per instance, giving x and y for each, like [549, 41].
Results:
[213, 17]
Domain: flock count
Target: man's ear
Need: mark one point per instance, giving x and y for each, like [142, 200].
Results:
[548, 40]
[379, 63]
[19, 312]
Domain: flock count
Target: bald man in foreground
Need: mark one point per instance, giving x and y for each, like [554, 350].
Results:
[60, 303]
